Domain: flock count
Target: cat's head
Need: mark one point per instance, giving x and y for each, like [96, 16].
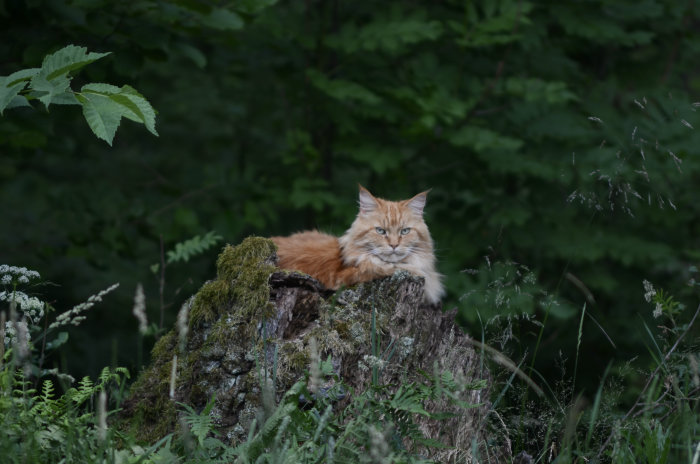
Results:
[391, 231]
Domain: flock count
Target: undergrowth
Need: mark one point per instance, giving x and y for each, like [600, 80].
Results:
[638, 414]
[559, 425]
[378, 425]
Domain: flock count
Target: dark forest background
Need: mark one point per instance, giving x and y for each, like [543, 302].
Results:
[559, 140]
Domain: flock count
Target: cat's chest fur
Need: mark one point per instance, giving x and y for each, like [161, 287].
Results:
[385, 237]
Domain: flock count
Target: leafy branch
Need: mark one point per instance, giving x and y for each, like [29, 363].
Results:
[103, 105]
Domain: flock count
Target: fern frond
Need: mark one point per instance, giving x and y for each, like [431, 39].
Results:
[195, 246]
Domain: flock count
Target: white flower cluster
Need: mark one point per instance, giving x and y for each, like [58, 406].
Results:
[368, 361]
[16, 332]
[649, 294]
[32, 307]
[73, 316]
[17, 275]
[649, 290]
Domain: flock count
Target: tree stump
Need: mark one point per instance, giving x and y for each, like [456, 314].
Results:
[254, 316]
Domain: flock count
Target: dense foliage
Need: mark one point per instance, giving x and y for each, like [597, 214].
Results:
[559, 141]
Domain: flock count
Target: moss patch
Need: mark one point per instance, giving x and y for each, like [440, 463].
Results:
[242, 275]
[232, 305]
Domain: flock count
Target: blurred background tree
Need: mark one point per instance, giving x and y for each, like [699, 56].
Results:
[558, 140]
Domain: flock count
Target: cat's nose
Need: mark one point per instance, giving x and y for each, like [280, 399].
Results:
[393, 247]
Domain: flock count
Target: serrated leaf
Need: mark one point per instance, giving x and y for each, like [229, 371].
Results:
[102, 115]
[145, 110]
[65, 98]
[18, 101]
[8, 93]
[133, 105]
[69, 58]
[98, 87]
[47, 89]
[21, 75]
[52, 78]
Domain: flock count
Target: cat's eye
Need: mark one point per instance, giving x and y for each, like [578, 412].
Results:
[405, 230]
[380, 231]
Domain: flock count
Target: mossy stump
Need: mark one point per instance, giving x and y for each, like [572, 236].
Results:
[255, 320]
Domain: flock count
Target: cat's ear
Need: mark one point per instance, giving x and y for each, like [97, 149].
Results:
[417, 203]
[367, 202]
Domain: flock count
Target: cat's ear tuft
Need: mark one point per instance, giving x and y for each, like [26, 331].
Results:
[367, 202]
[417, 203]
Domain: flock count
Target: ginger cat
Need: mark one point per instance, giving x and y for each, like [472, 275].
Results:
[386, 236]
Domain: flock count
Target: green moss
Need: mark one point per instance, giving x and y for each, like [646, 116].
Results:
[164, 346]
[154, 415]
[242, 275]
[209, 301]
[251, 253]
[298, 361]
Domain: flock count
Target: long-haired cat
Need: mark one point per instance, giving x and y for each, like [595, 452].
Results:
[386, 236]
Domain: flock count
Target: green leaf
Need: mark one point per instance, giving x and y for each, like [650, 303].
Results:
[196, 245]
[21, 75]
[46, 89]
[8, 92]
[17, 101]
[221, 18]
[102, 114]
[60, 339]
[52, 80]
[67, 59]
[341, 89]
[141, 107]
[195, 54]
[539, 90]
[380, 159]
[480, 139]
[392, 34]
[132, 104]
[65, 98]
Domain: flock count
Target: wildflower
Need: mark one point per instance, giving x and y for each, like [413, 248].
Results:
[649, 290]
[32, 307]
[21, 274]
[139, 310]
[73, 316]
[658, 310]
[371, 361]
[17, 333]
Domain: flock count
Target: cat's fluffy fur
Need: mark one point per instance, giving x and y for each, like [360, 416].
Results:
[386, 236]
